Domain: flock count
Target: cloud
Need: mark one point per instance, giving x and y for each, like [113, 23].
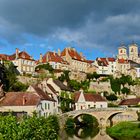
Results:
[90, 24]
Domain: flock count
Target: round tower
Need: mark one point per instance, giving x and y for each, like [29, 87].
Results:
[122, 52]
[133, 52]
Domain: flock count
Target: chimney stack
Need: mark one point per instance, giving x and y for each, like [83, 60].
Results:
[59, 52]
[40, 60]
[54, 53]
[47, 57]
[24, 100]
[17, 53]
[81, 54]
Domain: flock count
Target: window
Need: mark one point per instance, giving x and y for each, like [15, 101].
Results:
[45, 105]
[48, 106]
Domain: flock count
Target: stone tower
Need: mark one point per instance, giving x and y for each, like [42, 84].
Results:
[122, 52]
[133, 52]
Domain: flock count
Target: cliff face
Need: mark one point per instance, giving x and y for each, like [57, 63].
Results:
[100, 87]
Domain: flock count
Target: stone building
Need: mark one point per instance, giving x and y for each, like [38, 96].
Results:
[22, 60]
[55, 60]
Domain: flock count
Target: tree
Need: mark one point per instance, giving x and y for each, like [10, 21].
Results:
[85, 85]
[46, 67]
[75, 85]
[111, 97]
[115, 85]
[125, 79]
[125, 90]
[89, 76]
[95, 75]
[64, 76]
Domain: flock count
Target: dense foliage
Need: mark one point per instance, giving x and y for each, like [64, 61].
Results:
[31, 128]
[111, 97]
[91, 76]
[125, 131]
[8, 77]
[46, 67]
[120, 85]
[67, 101]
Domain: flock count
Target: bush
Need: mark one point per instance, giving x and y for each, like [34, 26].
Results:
[32, 128]
[18, 86]
[125, 130]
[111, 97]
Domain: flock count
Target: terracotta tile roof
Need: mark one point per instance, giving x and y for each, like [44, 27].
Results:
[42, 94]
[61, 85]
[89, 97]
[23, 55]
[51, 88]
[53, 57]
[76, 96]
[102, 62]
[20, 99]
[123, 61]
[93, 97]
[133, 101]
[111, 59]
[73, 54]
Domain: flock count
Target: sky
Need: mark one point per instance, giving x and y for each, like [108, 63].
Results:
[94, 27]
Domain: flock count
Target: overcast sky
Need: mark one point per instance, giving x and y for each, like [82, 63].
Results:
[95, 27]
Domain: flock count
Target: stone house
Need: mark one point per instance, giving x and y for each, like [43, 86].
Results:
[55, 60]
[130, 102]
[28, 102]
[89, 100]
[22, 60]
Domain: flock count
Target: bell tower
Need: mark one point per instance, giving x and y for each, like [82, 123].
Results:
[133, 52]
[122, 52]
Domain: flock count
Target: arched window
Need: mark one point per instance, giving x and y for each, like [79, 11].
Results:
[132, 50]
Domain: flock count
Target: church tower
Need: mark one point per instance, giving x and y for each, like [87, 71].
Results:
[122, 52]
[133, 52]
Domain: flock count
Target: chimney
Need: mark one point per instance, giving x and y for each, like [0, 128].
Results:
[40, 60]
[17, 53]
[54, 53]
[67, 49]
[24, 100]
[81, 54]
[59, 52]
[47, 57]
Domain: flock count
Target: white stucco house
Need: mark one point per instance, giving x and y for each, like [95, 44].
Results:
[34, 100]
[89, 100]
[48, 104]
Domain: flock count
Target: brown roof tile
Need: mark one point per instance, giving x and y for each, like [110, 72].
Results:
[93, 97]
[42, 94]
[20, 99]
[89, 97]
[53, 57]
[133, 101]
[123, 61]
[51, 88]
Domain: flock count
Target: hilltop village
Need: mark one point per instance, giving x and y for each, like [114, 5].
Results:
[65, 80]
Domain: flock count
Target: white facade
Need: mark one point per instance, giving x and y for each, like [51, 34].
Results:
[24, 66]
[83, 104]
[111, 67]
[46, 108]
[138, 72]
